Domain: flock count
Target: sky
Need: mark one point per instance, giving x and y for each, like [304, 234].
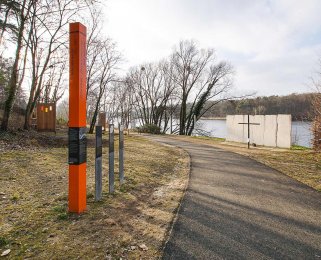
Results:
[273, 45]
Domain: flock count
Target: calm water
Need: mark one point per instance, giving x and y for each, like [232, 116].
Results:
[301, 131]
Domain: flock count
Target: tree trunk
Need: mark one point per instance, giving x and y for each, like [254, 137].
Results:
[94, 119]
[93, 122]
[12, 86]
[28, 114]
[182, 116]
[191, 126]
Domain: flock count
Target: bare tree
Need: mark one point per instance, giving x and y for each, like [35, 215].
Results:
[48, 36]
[111, 101]
[94, 47]
[107, 61]
[63, 110]
[200, 78]
[8, 12]
[22, 15]
[123, 94]
[316, 106]
[40, 25]
[152, 90]
[5, 69]
[55, 82]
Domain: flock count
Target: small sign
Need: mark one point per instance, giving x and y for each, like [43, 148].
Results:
[99, 142]
[77, 145]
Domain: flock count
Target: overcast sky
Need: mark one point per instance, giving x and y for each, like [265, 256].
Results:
[274, 45]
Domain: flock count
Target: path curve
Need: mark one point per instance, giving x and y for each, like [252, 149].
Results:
[237, 208]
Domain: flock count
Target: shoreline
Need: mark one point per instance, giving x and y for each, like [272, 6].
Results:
[224, 118]
[213, 118]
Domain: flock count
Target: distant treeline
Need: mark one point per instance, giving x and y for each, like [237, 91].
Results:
[298, 105]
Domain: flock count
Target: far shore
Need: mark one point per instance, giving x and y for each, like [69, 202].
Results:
[213, 118]
[224, 118]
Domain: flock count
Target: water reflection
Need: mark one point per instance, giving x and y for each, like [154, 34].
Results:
[301, 131]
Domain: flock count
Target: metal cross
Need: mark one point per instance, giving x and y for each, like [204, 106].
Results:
[248, 129]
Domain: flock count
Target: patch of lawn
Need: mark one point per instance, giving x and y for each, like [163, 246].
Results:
[215, 139]
[34, 219]
[3, 242]
[299, 147]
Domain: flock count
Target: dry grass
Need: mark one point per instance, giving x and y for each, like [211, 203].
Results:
[303, 165]
[34, 222]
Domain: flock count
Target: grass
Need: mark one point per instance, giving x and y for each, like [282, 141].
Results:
[300, 148]
[3, 241]
[61, 211]
[302, 165]
[15, 196]
[215, 139]
[34, 222]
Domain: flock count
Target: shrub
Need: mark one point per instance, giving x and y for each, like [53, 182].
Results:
[316, 126]
[149, 128]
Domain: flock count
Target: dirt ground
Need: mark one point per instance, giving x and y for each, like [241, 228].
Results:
[133, 223]
[301, 164]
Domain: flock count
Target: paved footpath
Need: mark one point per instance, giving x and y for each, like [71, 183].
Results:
[237, 208]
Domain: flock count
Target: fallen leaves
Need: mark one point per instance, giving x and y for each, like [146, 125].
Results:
[143, 247]
[6, 252]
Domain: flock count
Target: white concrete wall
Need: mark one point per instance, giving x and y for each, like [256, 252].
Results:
[257, 131]
[235, 131]
[273, 130]
[270, 130]
[284, 131]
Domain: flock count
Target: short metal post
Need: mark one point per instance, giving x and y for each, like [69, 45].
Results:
[111, 159]
[98, 164]
[121, 154]
[171, 116]
[248, 131]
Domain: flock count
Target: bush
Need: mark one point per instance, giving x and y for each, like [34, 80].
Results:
[149, 128]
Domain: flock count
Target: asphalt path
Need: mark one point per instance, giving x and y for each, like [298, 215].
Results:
[237, 208]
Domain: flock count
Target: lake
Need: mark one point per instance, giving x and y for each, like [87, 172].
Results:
[301, 131]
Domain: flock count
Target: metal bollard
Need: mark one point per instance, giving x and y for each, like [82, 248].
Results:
[98, 164]
[111, 159]
[121, 154]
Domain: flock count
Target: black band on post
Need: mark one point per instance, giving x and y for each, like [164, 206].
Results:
[99, 142]
[77, 144]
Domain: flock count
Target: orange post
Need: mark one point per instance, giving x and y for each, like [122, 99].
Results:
[77, 118]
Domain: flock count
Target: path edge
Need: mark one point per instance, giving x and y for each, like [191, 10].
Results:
[177, 209]
[170, 228]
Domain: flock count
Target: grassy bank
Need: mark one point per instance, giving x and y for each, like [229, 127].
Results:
[130, 224]
[300, 163]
